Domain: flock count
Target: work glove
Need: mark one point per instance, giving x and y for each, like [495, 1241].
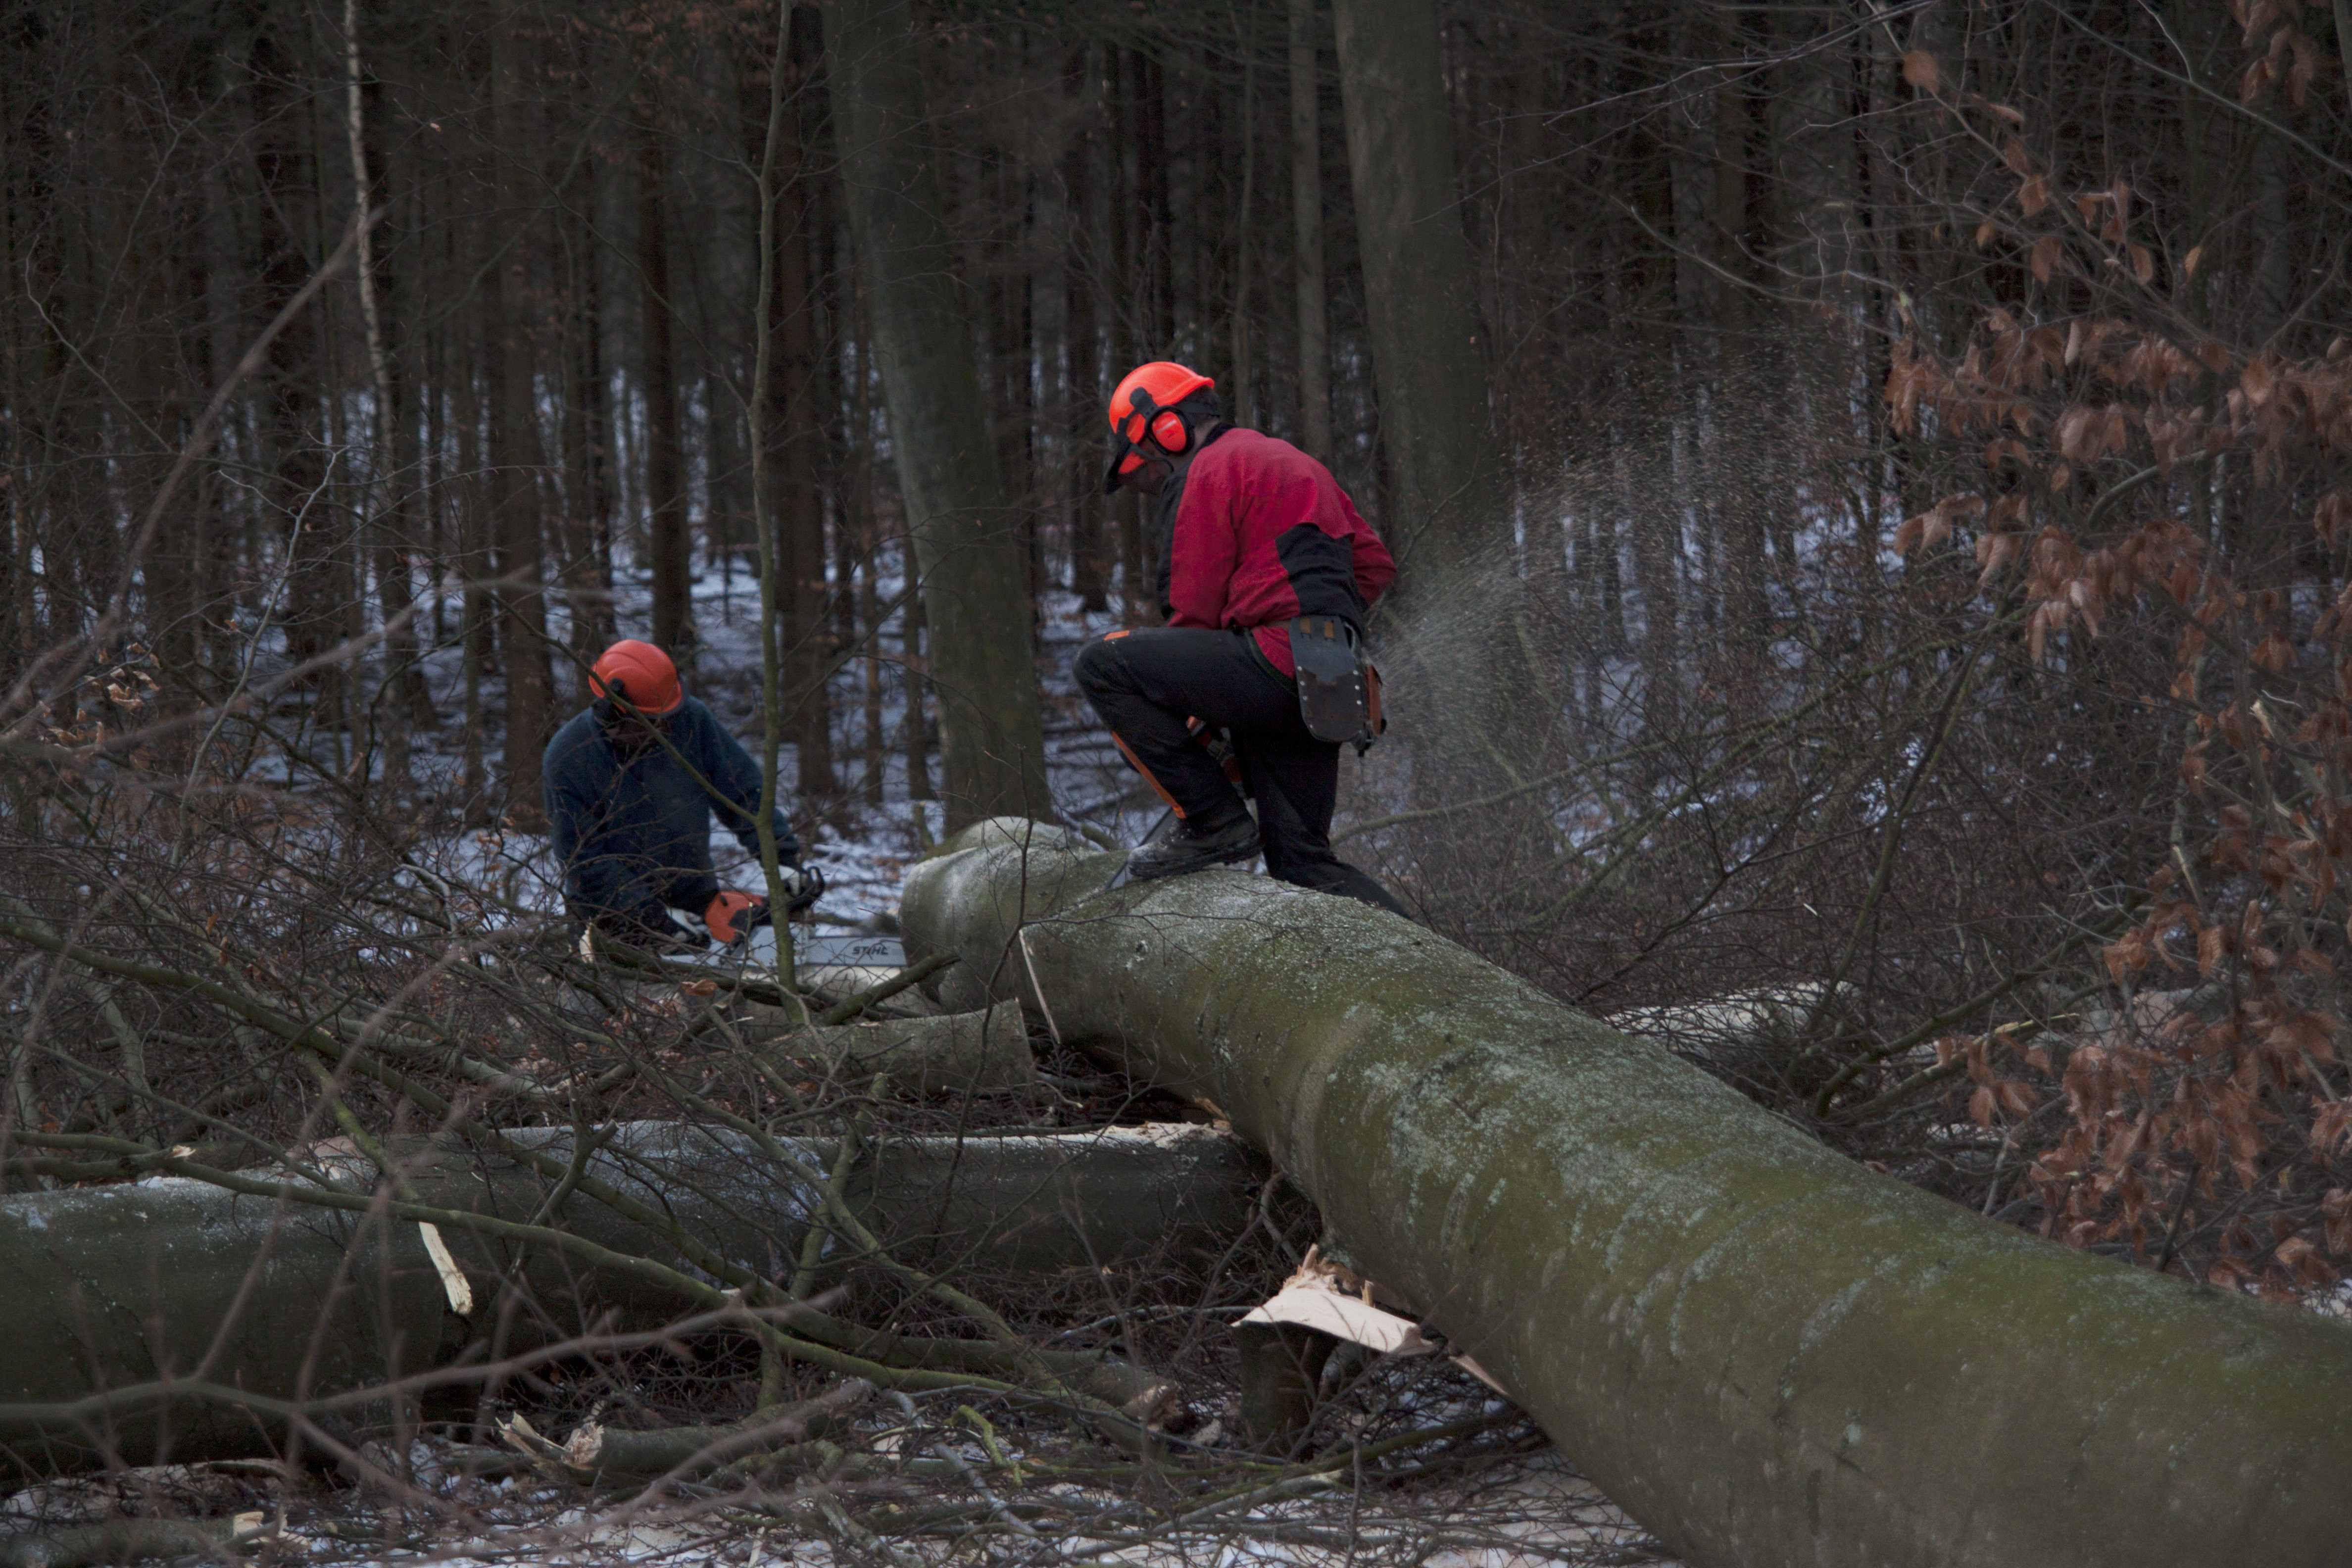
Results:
[732, 914]
[650, 926]
[802, 886]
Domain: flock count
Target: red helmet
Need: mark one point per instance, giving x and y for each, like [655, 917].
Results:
[1144, 408]
[640, 674]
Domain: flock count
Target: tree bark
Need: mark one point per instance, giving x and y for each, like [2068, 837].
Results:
[1307, 227]
[949, 1054]
[1419, 293]
[1765, 1353]
[515, 461]
[797, 454]
[967, 542]
[114, 1290]
[1089, 576]
[668, 541]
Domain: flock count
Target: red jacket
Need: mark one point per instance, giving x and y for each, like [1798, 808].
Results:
[1263, 533]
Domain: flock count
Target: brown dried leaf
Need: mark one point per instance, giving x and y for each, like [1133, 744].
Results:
[2044, 261]
[1919, 71]
[2305, 67]
[2143, 265]
[2258, 381]
[2188, 262]
[2033, 196]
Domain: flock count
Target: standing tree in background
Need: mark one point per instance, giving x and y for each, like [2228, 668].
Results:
[967, 538]
[1445, 490]
[795, 487]
[669, 542]
[514, 463]
[1307, 219]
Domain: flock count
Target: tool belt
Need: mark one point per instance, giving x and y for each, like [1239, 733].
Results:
[1338, 688]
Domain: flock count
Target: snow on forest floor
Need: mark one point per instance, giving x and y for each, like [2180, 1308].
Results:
[1532, 1511]
[863, 846]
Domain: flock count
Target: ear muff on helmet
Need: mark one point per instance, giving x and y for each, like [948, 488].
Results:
[1168, 428]
[1154, 414]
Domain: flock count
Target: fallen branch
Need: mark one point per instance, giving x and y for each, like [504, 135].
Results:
[957, 1052]
[128, 1540]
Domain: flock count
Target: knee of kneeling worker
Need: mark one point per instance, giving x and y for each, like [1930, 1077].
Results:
[1099, 668]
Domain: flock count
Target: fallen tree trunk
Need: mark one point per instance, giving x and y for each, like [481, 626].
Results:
[1767, 1353]
[956, 1053]
[174, 1320]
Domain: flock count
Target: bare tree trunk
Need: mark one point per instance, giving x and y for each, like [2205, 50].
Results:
[515, 459]
[798, 456]
[992, 742]
[1089, 576]
[665, 476]
[384, 515]
[1420, 291]
[587, 587]
[1306, 229]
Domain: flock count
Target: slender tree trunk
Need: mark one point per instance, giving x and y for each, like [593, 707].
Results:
[1307, 230]
[664, 475]
[992, 742]
[1128, 247]
[478, 630]
[1420, 290]
[1242, 236]
[1159, 212]
[1089, 575]
[588, 590]
[386, 517]
[515, 459]
[797, 449]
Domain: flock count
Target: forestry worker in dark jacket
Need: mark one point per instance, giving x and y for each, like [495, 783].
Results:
[631, 784]
[1258, 544]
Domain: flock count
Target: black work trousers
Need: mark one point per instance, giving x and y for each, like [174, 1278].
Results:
[1145, 684]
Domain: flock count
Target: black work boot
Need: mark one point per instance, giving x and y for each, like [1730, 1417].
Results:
[1186, 850]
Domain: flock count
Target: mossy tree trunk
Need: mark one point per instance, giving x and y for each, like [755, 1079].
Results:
[967, 534]
[172, 1319]
[1768, 1354]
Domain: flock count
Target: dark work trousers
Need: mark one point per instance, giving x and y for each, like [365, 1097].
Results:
[1146, 683]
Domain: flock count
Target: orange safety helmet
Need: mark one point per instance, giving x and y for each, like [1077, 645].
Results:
[638, 674]
[1145, 407]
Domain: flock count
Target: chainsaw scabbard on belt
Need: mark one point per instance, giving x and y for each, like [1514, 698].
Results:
[1338, 690]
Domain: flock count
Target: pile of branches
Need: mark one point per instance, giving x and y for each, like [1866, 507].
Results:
[252, 989]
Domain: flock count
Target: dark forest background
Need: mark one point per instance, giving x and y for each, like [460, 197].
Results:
[1867, 478]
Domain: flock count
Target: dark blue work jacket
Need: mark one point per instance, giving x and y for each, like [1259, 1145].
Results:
[632, 829]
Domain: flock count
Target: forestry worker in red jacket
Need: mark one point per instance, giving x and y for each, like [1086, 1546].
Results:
[1253, 534]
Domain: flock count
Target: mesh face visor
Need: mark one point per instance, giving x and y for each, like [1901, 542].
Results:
[1128, 454]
